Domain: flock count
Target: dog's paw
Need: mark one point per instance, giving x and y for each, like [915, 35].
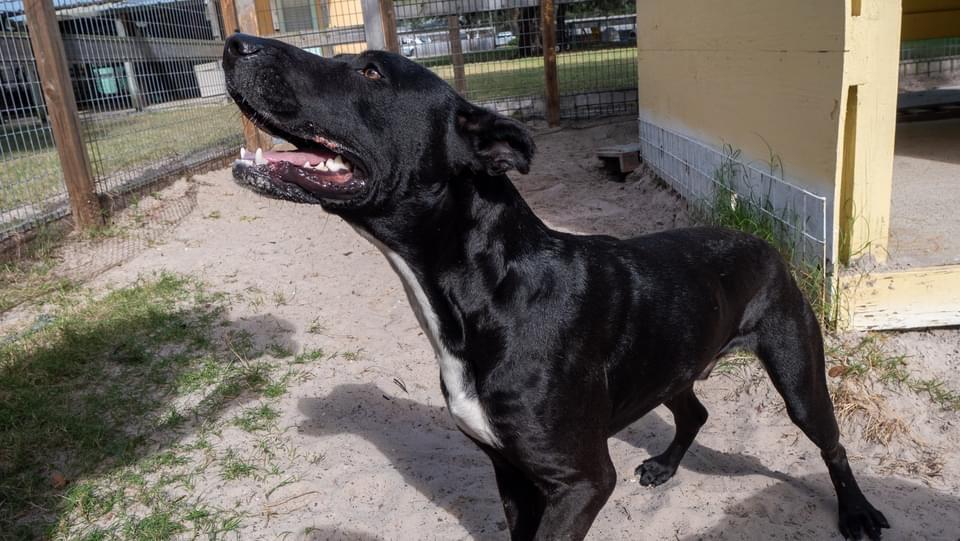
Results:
[653, 472]
[861, 520]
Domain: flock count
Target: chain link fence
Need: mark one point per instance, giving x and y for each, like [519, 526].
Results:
[149, 90]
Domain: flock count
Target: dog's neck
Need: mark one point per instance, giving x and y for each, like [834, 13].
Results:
[443, 231]
[451, 253]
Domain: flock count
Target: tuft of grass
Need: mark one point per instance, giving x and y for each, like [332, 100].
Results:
[352, 356]
[308, 356]
[257, 418]
[156, 526]
[316, 327]
[871, 359]
[233, 467]
[279, 351]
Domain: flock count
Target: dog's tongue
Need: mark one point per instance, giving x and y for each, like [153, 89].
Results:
[296, 157]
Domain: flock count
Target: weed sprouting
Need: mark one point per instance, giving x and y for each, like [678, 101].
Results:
[756, 213]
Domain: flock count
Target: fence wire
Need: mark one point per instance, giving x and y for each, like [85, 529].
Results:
[149, 88]
[723, 183]
[31, 183]
[929, 62]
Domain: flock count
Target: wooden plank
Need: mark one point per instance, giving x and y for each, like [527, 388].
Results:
[248, 22]
[229, 11]
[264, 17]
[909, 299]
[373, 24]
[62, 113]
[456, 55]
[334, 36]
[548, 27]
[388, 16]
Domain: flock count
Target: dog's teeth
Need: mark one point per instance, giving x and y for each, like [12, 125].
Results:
[337, 164]
[321, 166]
[259, 159]
[243, 153]
[307, 165]
[331, 165]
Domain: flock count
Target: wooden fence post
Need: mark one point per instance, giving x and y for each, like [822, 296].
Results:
[249, 24]
[456, 55]
[380, 24]
[62, 114]
[548, 26]
[388, 15]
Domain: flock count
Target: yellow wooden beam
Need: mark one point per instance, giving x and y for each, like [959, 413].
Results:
[908, 299]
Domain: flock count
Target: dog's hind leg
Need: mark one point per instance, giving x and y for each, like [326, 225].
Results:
[688, 415]
[790, 347]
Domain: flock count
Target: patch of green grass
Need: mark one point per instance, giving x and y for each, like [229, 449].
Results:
[31, 275]
[233, 467]
[88, 392]
[938, 392]
[308, 356]
[577, 71]
[154, 527]
[115, 142]
[872, 359]
[257, 418]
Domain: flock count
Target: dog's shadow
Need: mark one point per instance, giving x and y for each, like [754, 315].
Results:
[443, 465]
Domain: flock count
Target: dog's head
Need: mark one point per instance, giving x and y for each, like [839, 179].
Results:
[367, 128]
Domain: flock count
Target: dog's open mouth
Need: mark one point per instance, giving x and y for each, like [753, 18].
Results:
[319, 171]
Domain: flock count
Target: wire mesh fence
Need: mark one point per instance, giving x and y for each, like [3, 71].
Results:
[499, 61]
[149, 90]
[31, 184]
[151, 97]
[721, 182]
[929, 62]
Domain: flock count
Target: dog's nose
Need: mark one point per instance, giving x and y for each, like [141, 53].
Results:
[242, 45]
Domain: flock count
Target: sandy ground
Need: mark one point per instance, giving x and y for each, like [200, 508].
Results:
[395, 467]
[924, 229]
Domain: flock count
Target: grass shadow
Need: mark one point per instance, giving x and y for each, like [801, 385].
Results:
[98, 383]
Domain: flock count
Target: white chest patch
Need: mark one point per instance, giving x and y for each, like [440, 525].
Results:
[462, 401]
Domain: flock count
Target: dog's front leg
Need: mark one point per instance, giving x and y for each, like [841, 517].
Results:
[572, 505]
[522, 500]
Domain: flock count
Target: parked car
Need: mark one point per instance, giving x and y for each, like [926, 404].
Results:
[504, 38]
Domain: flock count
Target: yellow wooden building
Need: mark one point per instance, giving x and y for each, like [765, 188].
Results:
[804, 95]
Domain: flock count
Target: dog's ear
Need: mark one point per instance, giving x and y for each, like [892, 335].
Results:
[498, 144]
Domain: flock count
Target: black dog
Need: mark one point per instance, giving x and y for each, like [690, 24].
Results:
[548, 343]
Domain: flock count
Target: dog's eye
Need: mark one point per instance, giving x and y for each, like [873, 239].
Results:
[371, 73]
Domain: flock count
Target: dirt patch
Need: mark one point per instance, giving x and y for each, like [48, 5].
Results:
[365, 449]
